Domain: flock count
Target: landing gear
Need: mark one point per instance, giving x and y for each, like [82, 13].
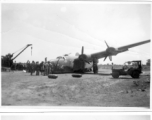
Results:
[95, 66]
[95, 69]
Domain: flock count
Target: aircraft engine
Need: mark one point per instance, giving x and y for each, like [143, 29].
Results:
[110, 51]
[83, 56]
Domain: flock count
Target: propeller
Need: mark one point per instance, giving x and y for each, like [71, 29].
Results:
[82, 50]
[110, 58]
[105, 58]
[107, 44]
[109, 50]
[83, 56]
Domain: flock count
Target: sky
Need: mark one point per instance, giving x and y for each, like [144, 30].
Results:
[58, 28]
[76, 117]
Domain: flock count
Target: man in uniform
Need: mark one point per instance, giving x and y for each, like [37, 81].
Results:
[28, 66]
[37, 68]
[49, 67]
[42, 68]
[45, 67]
[32, 66]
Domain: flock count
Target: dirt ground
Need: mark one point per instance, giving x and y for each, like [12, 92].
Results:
[22, 89]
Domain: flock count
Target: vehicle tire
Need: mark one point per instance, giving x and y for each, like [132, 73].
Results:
[135, 74]
[115, 74]
[52, 76]
[76, 75]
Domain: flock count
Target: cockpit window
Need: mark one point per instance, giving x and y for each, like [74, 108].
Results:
[60, 57]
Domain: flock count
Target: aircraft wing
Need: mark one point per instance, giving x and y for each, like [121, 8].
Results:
[133, 45]
[110, 51]
[99, 55]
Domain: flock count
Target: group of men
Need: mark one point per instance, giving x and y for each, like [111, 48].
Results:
[43, 68]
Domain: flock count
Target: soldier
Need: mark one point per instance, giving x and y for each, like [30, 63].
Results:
[42, 68]
[37, 68]
[112, 65]
[28, 66]
[49, 67]
[32, 66]
[46, 67]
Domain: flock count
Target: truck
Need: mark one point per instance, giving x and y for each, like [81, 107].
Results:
[132, 68]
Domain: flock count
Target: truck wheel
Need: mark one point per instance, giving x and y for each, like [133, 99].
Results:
[115, 74]
[135, 74]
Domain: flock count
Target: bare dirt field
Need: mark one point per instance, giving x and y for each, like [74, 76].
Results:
[100, 90]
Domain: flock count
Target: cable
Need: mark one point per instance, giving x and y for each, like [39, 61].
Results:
[62, 44]
[81, 32]
[19, 50]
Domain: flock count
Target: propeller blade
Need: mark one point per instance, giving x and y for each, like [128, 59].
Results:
[105, 58]
[82, 50]
[110, 58]
[107, 44]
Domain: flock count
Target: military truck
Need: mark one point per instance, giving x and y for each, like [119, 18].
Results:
[132, 68]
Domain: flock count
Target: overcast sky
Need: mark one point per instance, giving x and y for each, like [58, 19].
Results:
[76, 117]
[55, 29]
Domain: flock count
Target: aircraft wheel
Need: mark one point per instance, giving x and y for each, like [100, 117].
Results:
[135, 74]
[115, 74]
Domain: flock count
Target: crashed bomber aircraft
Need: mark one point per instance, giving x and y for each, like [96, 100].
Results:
[85, 62]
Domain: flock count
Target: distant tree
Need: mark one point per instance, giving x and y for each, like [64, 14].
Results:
[7, 60]
[148, 62]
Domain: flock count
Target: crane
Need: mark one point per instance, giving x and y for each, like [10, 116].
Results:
[7, 61]
[22, 51]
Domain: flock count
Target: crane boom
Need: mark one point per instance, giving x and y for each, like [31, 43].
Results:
[22, 51]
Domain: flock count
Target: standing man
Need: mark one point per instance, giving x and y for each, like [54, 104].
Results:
[28, 66]
[112, 65]
[37, 68]
[42, 68]
[45, 67]
[32, 66]
[49, 67]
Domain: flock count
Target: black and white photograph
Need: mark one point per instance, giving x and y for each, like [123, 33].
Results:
[76, 54]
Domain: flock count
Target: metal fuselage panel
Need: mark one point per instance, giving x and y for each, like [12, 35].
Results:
[65, 65]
